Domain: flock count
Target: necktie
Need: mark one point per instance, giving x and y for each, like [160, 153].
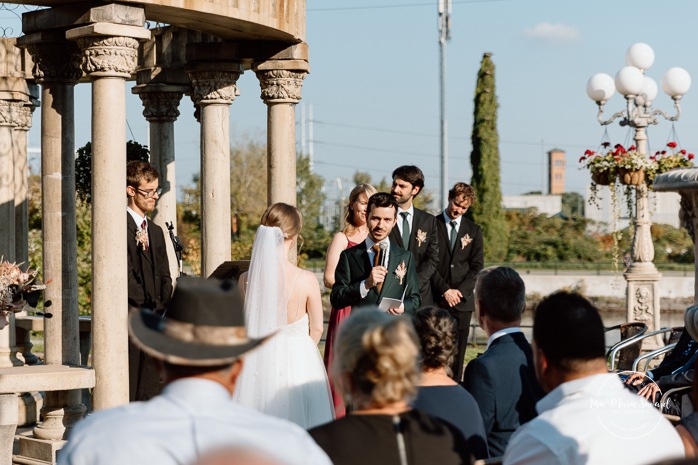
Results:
[144, 227]
[405, 229]
[376, 262]
[454, 234]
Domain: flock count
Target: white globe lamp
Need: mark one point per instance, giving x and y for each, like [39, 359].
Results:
[676, 82]
[649, 89]
[629, 80]
[640, 55]
[600, 87]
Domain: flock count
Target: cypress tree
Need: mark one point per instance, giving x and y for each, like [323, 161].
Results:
[487, 210]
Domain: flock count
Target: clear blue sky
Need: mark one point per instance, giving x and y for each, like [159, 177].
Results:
[374, 85]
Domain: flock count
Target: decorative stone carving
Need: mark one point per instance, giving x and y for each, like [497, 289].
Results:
[213, 86]
[24, 117]
[281, 85]
[642, 309]
[10, 112]
[160, 106]
[56, 62]
[109, 56]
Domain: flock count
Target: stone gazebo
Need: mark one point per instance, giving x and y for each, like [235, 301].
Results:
[200, 51]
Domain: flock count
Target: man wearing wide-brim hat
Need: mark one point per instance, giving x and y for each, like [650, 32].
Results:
[200, 342]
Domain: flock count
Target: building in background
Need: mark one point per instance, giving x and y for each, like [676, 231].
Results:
[556, 171]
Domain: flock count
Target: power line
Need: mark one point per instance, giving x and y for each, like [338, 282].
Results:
[404, 5]
[423, 134]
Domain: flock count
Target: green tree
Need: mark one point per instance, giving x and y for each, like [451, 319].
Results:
[310, 198]
[83, 166]
[572, 205]
[487, 210]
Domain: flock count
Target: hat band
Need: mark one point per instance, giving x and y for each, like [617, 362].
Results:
[209, 335]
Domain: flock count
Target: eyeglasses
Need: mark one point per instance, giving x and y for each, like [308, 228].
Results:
[150, 193]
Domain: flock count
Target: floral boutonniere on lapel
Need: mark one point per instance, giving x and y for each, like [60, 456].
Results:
[465, 240]
[401, 271]
[142, 238]
[421, 237]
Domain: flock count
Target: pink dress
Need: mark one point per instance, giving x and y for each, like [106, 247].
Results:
[336, 318]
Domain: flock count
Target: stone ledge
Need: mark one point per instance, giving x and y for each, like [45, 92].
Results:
[36, 323]
[45, 378]
[677, 180]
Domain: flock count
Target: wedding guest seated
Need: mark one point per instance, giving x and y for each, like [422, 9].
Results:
[437, 393]
[376, 366]
[587, 416]
[200, 342]
[502, 380]
[688, 426]
[676, 370]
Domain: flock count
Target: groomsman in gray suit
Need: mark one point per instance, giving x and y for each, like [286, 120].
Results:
[460, 259]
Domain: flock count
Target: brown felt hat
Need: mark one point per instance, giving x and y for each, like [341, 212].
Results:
[204, 325]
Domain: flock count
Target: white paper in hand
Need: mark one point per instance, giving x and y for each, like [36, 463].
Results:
[387, 303]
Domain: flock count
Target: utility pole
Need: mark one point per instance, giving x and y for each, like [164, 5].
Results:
[311, 148]
[444, 9]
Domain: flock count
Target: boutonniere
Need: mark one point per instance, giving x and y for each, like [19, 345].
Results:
[142, 238]
[421, 237]
[465, 240]
[401, 271]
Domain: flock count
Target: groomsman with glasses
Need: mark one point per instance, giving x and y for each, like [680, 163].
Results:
[460, 259]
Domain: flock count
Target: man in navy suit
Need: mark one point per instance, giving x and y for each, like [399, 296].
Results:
[415, 229]
[503, 379]
[362, 277]
[460, 259]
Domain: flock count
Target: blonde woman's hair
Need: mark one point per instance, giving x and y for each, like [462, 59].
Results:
[376, 361]
[285, 217]
[366, 189]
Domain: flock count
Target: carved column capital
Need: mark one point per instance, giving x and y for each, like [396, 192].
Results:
[24, 117]
[56, 62]
[281, 86]
[111, 56]
[160, 106]
[281, 80]
[10, 112]
[214, 86]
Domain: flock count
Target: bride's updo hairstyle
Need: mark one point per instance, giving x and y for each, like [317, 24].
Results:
[285, 217]
[377, 359]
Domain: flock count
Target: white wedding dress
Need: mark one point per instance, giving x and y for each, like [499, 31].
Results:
[285, 377]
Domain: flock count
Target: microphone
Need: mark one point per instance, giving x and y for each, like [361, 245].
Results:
[383, 254]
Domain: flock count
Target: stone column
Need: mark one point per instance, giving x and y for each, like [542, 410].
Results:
[109, 57]
[22, 184]
[642, 298]
[160, 104]
[57, 69]
[9, 115]
[214, 90]
[281, 82]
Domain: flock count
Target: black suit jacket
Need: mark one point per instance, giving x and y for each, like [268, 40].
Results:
[354, 266]
[503, 383]
[149, 280]
[458, 268]
[426, 252]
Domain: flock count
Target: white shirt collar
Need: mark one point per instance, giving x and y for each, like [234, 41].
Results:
[502, 332]
[370, 243]
[136, 217]
[409, 210]
[448, 220]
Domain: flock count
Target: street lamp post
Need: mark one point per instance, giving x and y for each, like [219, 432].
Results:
[642, 298]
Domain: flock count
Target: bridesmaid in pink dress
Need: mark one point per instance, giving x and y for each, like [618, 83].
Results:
[355, 232]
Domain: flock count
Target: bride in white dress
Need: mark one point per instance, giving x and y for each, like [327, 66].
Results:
[285, 377]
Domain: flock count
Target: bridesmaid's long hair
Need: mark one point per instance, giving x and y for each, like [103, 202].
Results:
[349, 217]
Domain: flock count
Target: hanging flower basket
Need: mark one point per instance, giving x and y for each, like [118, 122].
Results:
[602, 178]
[631, 177]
